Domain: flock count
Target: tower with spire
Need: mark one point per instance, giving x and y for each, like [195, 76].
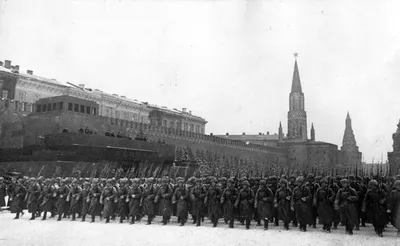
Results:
[312, 132]
[297, 116]
[349, 143]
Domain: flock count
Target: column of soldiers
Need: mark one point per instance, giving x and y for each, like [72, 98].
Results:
[351, 202]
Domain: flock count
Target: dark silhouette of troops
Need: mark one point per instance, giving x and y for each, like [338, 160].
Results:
[181, 198]
[164, 200]
[148, 197]
[3, 192]
[264, 203]
[197, 196]
[374, 205]
[282, 201]
[301, 203]
[345, 202]
[312, 185]
[393, 207]
[324, 198]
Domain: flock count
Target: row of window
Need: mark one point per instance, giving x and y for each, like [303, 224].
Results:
[186, 126]
[49, 107]
[82, 109]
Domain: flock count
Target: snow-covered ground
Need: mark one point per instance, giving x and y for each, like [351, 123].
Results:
[52, 232]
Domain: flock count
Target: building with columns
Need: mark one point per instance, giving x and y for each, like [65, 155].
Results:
[24, 89]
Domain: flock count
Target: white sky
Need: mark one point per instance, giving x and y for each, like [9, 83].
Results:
[228, 61]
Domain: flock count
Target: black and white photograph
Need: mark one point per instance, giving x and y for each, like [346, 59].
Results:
[199, 122]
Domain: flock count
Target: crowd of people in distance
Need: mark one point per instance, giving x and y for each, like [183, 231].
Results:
[300, 201]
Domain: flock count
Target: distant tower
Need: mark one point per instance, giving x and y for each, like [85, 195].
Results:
[280, 131]
[312, 132]
[297, 116]
[396, 139]
[394, 157]
[349, 143]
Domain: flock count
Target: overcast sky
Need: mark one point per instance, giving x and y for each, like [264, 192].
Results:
[228, 61]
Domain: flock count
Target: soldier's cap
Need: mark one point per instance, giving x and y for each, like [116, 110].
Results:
[324, 180]
[338, 177]
[300, 179]
[343, 181]
[352, 178]
[62, 181]
[273, 178]
[283, 181]
[148, 180]
[223, 179]
[85, 183]
[292, 177]
[283, 176]
[1, 178]
[179, 180]
[396, 183]
[373, 182]
[108, 181]
[245, 183]
[318, 178]
[47, 180]
[135, 180]
[310, 176]
[32, 179]
[231, 180]
[397, 177]
[358, 178]
[263, 182]
[252, 179]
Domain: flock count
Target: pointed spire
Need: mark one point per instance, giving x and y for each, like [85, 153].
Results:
[349, 141]
[280, 134]
[312, 132]
[296, 85]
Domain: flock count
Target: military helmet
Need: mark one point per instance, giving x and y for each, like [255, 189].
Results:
[300, 179]
[283, 181]
[344, 181]
[373, 183]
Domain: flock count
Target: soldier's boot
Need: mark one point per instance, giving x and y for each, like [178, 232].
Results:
[328, 228]
[65, 216]
[52, 215]
[59, 217]
[258, 222]
[132, 220]
[107, 219]
[93, 217]
[165, 220]
[44, 216]
[266, 224]
[357, 227]
[380, 232]
[226, 220]
[183, 221]
[73, 217]
[314, 226]
[202, 218]
[121, 219]
[17, 216]
[363, 222]
[276, 222]
[286, 226]
[247, 224]
[215, 221]
[83, 218]
[198, 222]
[33, 217]
[231, 223]
[149, 220]
[304, 228]
[335, 224]
[113, 217]
[194, 219]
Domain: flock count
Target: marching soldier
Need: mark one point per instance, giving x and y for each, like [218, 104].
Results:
[3, 192]
[282, 203]
[323, 200]
[212, 201]
[264, 203]
[345, 203]
[62, 193]
[94, 199]
[107, 199]
[228, 200]
[197, 198]
[73, 198]
[394, 206]
[134, 197]
[181, 198]
[245, 202]
[47, 195]
[17, 198]
[163, 198]
[32, 197]
[84, 197]
[301, 204]
[120, 200]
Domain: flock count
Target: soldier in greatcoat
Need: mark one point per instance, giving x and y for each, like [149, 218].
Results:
[393, 207]
[62, 193]
[282, 200]
[245, 202]
[84, 197]
[17, 198]
[134, 198]
[197, 196]
[73, 198]
[345, 202]
[47, 197]
[107, 199]
[323, 200]
[32, 197]
[212, 201]
[164, 200]
[120, 200]
[94, 200]
[228, 200]
[3, 192]
[180, 198]
[374, 205]
[264, 203]
[300, 204]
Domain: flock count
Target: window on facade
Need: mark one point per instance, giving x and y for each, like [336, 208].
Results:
[44, 108]
[191, 128]
[82, 109]
[39, 108]
[76, 107]
[33, 106]
[22, 96]
[54, 106]
[95, 111]
[5, 93]
[177, 125]
[24, 106]
[164, 123]
[70, 106]
[197, 129]
[49, 107]
[185, 126]
[171, 124]
[60, 105]
[116, 114]
[88, 109]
